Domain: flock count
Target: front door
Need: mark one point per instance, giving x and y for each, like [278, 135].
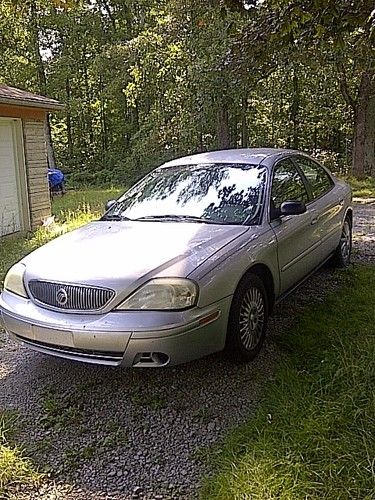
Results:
[298, 237]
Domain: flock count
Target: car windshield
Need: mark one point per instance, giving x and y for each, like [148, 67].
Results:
[209, 193]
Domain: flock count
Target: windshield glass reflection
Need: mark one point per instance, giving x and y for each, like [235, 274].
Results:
[216, 193]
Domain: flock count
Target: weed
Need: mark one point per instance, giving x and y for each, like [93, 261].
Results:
[72, 456]
[60, 410]
[204, 414]
[153, 401]
[15, 468]
[115, 438]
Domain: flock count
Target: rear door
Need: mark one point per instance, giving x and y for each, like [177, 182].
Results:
[298, 237]
[325, 201]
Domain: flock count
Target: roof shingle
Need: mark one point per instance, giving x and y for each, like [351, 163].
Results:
[12, 95]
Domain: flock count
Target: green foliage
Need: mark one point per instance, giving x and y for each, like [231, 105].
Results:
[15, 468]
[313, 435]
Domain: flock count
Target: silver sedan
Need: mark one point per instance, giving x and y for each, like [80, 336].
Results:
[188, 262]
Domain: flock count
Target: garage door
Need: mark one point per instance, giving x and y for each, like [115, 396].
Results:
[10, 216]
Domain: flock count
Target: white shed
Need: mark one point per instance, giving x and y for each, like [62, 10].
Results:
[24, 193]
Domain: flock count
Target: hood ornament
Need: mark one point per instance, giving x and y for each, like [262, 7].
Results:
[62, 297]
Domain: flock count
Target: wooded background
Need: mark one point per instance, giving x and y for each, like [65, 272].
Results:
[144, 81]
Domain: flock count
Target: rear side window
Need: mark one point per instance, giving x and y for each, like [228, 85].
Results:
[320, 182]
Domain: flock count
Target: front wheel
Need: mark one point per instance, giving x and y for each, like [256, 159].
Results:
[343, 251]
[247, 319]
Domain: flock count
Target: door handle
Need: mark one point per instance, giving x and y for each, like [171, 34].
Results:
[341, 203]
[314, 220]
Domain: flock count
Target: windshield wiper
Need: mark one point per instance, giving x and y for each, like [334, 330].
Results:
[179, 218]
[114, 217]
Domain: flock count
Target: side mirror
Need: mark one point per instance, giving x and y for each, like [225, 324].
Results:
[109, 204]
[292, 208]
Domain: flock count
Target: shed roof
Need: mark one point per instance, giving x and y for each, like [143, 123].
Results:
[18, 97]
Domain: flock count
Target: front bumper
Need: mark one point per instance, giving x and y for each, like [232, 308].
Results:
[121, 338]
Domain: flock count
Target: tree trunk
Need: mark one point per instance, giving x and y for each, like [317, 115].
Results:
[103, 119]
[244, 129]
[223, 127]
[370, 138]
[363, 161]
[315, 138]
[295, 109]
[87, 109]
[50, 151]
[200, 147]
[42, 83]
[69, 133]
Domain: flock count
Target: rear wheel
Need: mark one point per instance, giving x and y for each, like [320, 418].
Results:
[247, 319]
[343, 251]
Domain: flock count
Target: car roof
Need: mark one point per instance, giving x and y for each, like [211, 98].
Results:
[253, 156]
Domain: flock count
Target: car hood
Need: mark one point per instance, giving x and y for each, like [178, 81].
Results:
[121, 254]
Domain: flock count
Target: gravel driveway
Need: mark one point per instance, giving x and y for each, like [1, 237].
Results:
[364, 232]
[120, 434]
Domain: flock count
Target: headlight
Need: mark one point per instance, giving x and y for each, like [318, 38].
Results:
[162, 294]
[14, 280]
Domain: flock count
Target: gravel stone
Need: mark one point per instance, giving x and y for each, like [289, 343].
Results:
[105, 433]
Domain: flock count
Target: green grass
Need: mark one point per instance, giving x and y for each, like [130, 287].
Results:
[15, 468]
[314, 433]
[95, 199]
[364, 188]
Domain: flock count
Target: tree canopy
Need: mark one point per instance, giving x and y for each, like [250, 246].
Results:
[145, 81]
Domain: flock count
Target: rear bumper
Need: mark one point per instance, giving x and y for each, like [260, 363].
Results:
[129, 339]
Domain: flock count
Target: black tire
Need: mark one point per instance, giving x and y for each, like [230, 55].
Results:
[248, 319]
[341, 257]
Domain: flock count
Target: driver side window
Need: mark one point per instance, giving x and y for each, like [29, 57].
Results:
[287, 185]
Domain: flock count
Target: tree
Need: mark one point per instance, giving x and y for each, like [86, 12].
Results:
[341, 32]
[147, 80]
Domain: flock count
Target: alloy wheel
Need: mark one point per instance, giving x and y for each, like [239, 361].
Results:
[251, 318]
[345, 242]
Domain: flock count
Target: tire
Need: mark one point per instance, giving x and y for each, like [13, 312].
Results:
[341, 257]
[248, 319]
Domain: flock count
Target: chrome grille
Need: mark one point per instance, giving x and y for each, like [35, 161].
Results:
[70, 297]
